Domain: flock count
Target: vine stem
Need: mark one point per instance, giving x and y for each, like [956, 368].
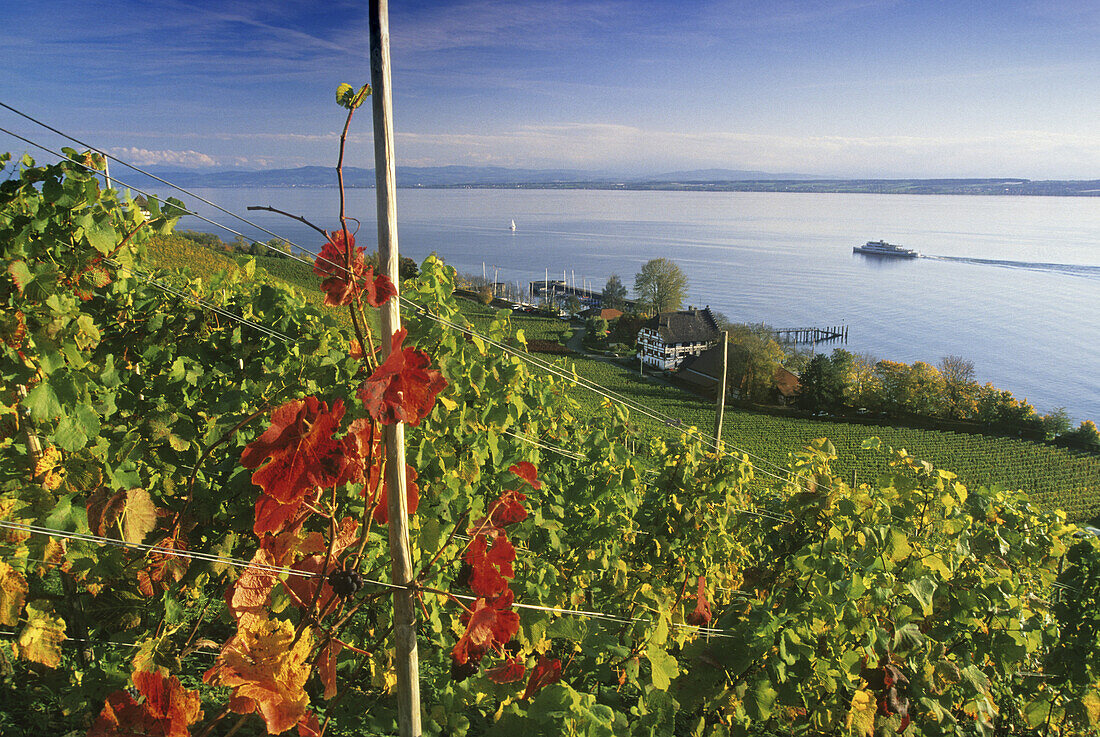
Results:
[206, 454]
[320, 578]
[299, 218]
[363, 341]
[447, 542]
[213, 722]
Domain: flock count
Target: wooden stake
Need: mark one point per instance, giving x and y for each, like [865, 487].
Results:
[721, 394]
[406, 659]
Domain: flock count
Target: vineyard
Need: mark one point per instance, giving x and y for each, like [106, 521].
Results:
[1056, 477]
[197, 523]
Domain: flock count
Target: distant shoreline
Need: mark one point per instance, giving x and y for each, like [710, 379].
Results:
[702, 181]
[868, 186]
[1032, 189]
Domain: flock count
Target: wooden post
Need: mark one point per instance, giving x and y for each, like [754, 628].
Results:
[721, 395]
[406, 659]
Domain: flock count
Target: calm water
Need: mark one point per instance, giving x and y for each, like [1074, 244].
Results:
[1012, 283]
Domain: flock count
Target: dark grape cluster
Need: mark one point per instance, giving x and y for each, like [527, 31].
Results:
[345, 582]
[461, 671]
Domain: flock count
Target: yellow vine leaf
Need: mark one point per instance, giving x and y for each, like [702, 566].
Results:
[41, 638]
[13, 592]
[13, 537]
[861, 716]
[48, 471]
[1091, 702]
[266, 673]
[139, 517]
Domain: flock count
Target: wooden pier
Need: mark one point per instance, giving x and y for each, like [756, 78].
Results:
[812, 335]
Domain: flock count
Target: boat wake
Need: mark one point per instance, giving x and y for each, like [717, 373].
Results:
[1068, 269]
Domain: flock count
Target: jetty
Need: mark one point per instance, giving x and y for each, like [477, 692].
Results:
[812, 335]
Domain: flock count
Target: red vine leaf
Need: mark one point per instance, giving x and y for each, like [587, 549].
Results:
[295, 455]
[273, 516]
[364, 453]
[377, 289]
[339, 284]
[488, 624]
[510, 671]
[167, 709]
[701, 615]
[412, 497]
[403, 388]
[547, 671]
[527, 471]
[509, 509]
[332, 263]
[490, 564]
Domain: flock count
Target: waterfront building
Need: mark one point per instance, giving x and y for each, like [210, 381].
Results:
[667, 339]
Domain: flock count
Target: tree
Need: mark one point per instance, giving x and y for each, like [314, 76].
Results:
[825, 380]
[959, 386]
[754, 358]
[1056, 422]
[1086, 437]
[660, 286]
[614, 293]
[596, 328]
[862, 385]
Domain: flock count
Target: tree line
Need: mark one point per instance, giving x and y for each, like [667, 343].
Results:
[947, 391]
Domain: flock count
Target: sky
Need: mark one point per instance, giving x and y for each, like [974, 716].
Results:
[846, 88]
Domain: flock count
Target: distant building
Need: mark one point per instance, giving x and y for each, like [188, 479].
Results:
[701, 372]
[667, 339]
[786, 385]
[606, 313]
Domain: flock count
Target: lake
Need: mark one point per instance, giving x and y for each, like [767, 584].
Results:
[1011, 283]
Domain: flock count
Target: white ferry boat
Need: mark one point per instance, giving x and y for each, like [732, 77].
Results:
[882, 248]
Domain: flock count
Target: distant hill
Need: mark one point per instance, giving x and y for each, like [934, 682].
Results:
[718, 180]
[724, 175]
[407, 176]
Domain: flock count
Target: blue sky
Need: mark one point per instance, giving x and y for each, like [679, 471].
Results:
[949, 88]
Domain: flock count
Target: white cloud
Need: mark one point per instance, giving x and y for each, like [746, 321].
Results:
[145, 157]
[1031, 154]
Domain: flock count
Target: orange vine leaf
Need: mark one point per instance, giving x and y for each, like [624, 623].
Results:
[701, 615]
[266, 673]
[166, 709]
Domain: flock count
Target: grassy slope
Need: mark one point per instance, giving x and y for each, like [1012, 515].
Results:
[170, 252]
[1058, 477]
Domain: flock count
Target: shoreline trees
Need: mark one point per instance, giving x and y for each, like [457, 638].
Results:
[660, 286]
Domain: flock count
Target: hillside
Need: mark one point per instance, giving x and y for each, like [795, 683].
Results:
[1057, 477]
